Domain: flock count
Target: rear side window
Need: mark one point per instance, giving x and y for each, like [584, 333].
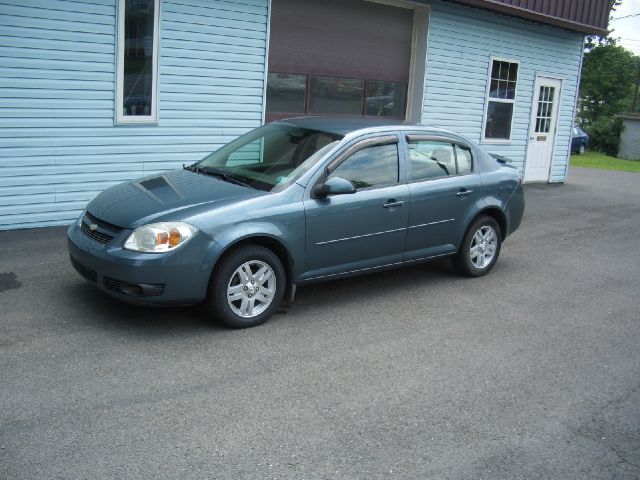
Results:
[432, 159]
[463, 160]
[375, 166]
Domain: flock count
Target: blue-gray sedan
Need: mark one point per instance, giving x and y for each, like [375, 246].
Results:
[294, 202]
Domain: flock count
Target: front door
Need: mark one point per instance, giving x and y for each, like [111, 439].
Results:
[365, 229]
[542, 129]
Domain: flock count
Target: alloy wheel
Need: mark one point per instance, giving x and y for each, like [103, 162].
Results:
[251, 288]
[483, 246]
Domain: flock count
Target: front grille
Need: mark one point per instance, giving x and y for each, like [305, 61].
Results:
[95, 235]
[86, 272]
[98, 230]
[102, 224]
[133, 289]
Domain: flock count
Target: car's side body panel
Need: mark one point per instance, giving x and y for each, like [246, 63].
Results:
[437, 212]
[350, 232]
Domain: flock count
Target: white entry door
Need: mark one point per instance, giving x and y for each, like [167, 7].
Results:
[542, 129]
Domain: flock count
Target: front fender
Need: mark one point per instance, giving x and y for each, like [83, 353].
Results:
[288, 239]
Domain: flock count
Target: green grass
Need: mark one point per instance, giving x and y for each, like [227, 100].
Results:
[600, 160]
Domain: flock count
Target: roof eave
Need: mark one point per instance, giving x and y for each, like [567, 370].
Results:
[535, 16]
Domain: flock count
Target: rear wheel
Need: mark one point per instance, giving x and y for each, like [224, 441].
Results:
[247, 287]
[480, 248]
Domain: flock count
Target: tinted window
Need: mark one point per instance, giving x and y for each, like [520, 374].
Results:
[267, 157]
[385, 99]
[431, 159]
[286, 93]
[463, 160]
[375, 166]
[336, 95]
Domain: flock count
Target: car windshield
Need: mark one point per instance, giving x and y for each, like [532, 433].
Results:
[269, 158]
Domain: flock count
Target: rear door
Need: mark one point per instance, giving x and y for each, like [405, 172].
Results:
[443, 185]
[365, 229]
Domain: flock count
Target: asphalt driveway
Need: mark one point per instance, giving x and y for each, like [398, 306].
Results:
[531, 372]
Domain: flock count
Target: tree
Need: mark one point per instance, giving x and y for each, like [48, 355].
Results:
[607, 88]
[608, 80]
[609, 74]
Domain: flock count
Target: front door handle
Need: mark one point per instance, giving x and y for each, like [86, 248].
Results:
[392, 203]
[463, 192]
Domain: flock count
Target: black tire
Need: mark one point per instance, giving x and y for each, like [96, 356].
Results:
[581, 150]
[468, 264]
[227, 275]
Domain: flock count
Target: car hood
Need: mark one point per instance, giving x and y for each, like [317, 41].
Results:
[148, 199]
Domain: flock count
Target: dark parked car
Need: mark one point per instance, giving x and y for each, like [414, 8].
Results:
[295, 202]
[579, 140]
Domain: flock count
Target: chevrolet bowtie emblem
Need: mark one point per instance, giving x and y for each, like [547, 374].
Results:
[93, 227]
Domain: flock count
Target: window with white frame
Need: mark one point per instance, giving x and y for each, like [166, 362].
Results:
[501, 99]
[137, 85]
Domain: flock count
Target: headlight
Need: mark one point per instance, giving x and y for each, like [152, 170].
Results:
[160, 237]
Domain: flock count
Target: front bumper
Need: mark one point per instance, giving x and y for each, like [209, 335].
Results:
[179, 277]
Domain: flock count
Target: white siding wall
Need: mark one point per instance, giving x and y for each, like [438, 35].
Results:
[461, 42]
[59, 146]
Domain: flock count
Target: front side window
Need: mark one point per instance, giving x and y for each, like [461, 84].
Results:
[501, 99]
[136, 98]
[371, 167]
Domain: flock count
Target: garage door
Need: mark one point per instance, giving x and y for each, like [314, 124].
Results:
[344, 57]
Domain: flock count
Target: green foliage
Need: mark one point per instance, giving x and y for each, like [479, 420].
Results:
[608, 76]
[608, 81]
[604, 134]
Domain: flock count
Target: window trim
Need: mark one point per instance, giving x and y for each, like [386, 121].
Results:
[120, 118]
[487, 99]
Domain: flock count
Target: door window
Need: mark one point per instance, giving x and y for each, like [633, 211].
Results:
[371, 167]
[431, 159]
[463, 160]
[545, 108]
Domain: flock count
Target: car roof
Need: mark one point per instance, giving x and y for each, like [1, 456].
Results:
[341, 125]
[345, 125]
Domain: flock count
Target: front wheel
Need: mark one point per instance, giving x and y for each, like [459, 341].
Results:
[480, 248]
[247, 287]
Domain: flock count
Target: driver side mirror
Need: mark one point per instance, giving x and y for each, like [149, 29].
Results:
[333, 186]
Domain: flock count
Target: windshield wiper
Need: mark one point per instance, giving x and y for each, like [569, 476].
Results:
[193, 168]
[227, 177]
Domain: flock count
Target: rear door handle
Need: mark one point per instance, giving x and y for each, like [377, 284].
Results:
[392, 203]
[463, 192]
